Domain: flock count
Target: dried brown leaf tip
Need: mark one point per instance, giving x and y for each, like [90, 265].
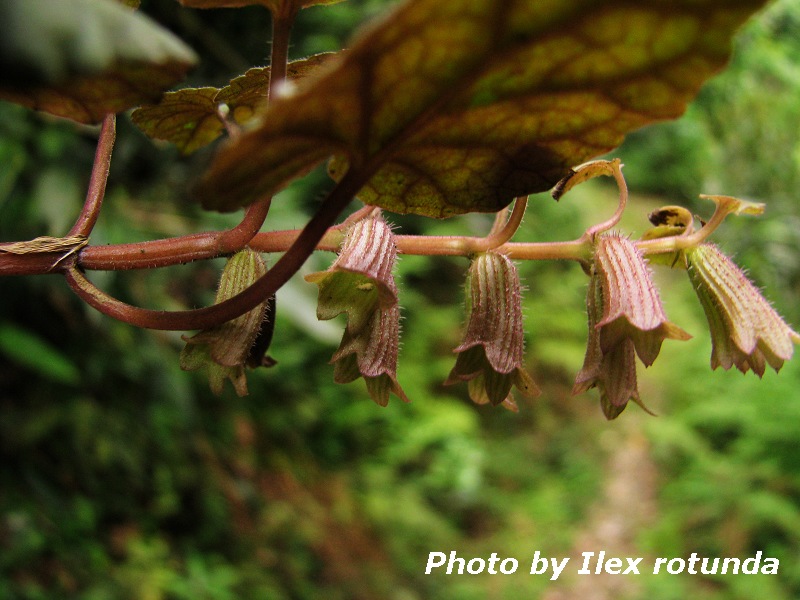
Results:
[491, 356]
[224, 351]
[360, 283]
[626, 318]
[746, 331]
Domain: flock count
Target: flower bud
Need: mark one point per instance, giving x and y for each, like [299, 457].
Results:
[226, 349]
[746, 331]
[490, 357]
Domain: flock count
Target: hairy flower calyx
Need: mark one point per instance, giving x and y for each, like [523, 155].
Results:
[746, 331]
[490, 357]
[226, 349]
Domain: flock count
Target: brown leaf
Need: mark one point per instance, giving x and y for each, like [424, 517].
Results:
[459, 106]
[190, 118]
[49, 62]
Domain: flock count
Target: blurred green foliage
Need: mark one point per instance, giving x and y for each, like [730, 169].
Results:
[123, 477]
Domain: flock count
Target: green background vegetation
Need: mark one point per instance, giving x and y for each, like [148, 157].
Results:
[123, 477]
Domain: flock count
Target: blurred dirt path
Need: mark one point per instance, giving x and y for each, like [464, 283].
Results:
[627, 506]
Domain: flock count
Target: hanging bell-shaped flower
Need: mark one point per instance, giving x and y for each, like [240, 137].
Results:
[746, 331]
[360, 283]
[613, 373]
[490, 357]
[631, 304]
[626, 318]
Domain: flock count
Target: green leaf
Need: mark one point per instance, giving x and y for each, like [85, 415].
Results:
[451, 107]
[190, 118]
[29, 350]
[82, 59]
[246, 95]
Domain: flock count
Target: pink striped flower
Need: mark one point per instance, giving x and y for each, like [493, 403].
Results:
[490, 357]
[626, 318]
[746, 331]
[360, 283]
[360, 279]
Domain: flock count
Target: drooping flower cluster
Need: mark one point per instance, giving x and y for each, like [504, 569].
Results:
[746, 331]
[360, 283]
[626, 318]
[625, 314]
[225, 350]
[490, 358]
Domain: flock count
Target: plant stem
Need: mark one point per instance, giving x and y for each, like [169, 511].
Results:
[578, 250]
[237, 238]
[97, 182]
[210, 316]
[446, 245]
[279, 54]
[616, 170]
[466, 246]
[501, 234]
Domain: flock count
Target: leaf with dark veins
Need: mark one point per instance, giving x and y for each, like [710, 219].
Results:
[450, 107]
[190, 118]
[247, 94]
